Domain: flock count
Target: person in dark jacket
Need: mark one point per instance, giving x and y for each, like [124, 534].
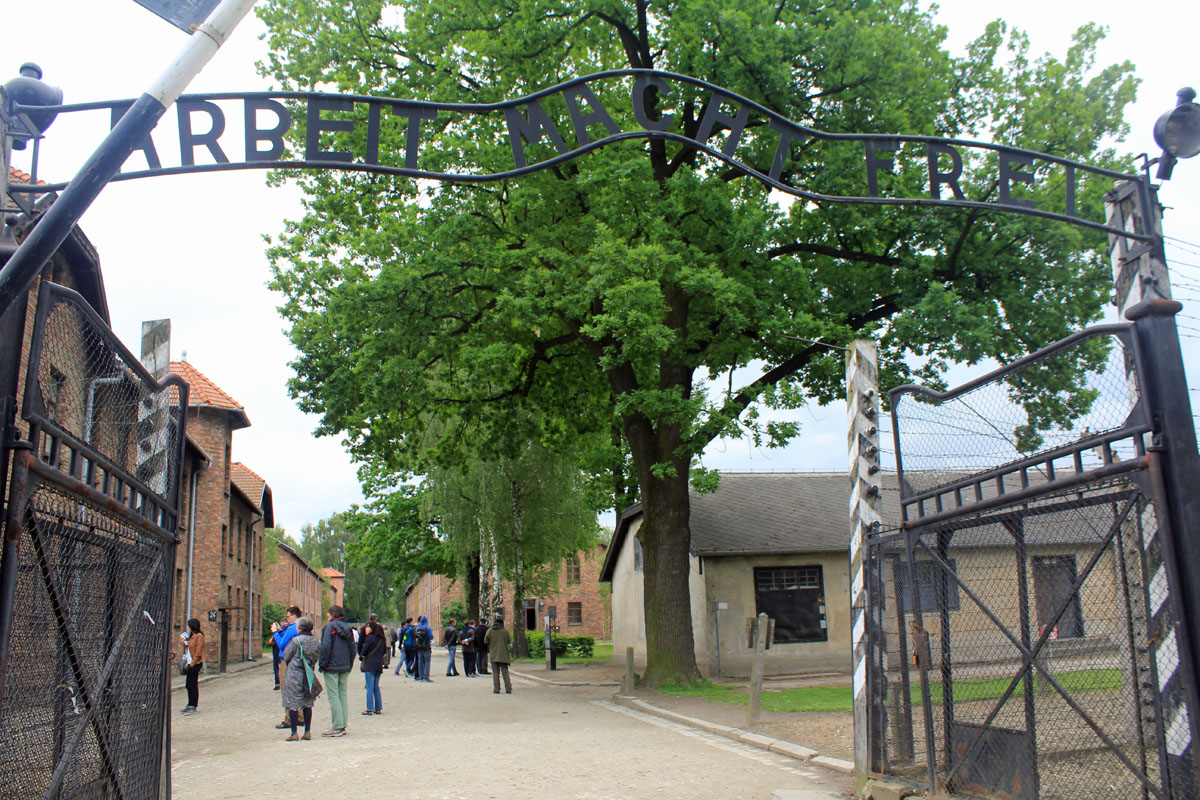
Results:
[406, 647]
[423, 641]
[337, 658]
[466, 638]
[450, 642]
[481, 650]
[372, 647]
[499, 651]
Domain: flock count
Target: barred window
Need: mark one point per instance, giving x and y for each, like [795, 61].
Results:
[795, 598]
[574, 613]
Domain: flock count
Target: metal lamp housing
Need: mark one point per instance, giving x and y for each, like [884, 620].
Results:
[29, 90]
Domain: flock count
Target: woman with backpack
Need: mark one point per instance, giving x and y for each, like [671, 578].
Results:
[372, 648]
[297, 688]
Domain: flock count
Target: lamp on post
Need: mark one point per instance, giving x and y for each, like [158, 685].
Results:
[1177, 132]
[20, 121]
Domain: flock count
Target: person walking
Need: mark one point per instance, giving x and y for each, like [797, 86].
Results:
[282, 635]
[423, 643]
[481, 651]
[336, 661]
[191, 675]
[466, 637]
[406, 649]
[450, 642]
[392, 637]
[297, 694]
[499, 651]
[372, 649]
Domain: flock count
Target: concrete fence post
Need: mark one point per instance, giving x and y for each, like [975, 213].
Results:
[756, 671]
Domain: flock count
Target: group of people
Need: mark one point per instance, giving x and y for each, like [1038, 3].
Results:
[301, 655]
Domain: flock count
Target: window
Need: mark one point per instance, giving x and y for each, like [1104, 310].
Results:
[637, 553]
[930, 580]
[573, 574]
[795, 598]
[52, 393]
[574, 613]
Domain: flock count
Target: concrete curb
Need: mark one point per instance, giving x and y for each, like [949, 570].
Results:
[548, 682]
[177, 684]
[798, 752]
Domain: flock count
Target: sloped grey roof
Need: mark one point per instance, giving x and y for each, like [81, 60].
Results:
[758, 512]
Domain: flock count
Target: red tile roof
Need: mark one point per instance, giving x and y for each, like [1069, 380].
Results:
[330, 572]
[250, 483]
[17, 176]
[203, 392]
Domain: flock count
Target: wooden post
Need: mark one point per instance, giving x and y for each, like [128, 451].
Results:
[756, 671]
[862, 444]
[630, 678]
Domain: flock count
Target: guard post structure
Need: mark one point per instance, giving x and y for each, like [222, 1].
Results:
[862, 444]
[1170, 696]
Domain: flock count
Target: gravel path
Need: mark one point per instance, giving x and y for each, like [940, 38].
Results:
[540, 741]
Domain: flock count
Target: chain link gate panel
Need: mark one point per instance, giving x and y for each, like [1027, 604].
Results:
[1027, 612]
[88, 565]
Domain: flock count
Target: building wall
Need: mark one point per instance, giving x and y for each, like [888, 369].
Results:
[628, 602]
[428, 596]
[292, 582]
[730, 580]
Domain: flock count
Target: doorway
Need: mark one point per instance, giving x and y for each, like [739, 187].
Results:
[1054, 584]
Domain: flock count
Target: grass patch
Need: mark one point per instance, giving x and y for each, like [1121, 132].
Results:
[602, 653]
[841, 698]
[813, 698]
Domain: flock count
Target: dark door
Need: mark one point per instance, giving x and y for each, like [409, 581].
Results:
[531, 619]
[1054, 584]
[795, 598]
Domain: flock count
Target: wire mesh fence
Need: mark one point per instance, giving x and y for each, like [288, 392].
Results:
[1022, 613]
[93, 507]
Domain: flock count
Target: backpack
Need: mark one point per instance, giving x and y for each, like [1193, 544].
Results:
[421, 637]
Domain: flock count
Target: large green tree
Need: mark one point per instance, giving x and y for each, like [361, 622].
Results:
[370, 587]
[622, 291]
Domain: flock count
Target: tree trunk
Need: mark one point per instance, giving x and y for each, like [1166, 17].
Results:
[520, 638]
[473, 566]
[666, 538]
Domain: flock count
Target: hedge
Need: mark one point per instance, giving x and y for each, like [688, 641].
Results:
[564, 646]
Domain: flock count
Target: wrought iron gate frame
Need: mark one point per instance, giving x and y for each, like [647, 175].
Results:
[96, 479]
[945, 507]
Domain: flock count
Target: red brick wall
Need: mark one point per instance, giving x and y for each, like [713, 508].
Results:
[431, 593]
[291, 582]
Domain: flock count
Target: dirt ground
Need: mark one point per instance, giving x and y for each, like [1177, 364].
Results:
[541, 741]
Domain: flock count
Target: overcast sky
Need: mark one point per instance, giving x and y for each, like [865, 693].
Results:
[190, 247]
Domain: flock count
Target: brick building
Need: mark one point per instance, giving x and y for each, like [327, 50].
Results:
[581, 606]
[335, 584]
[292, 581]
[224, 509]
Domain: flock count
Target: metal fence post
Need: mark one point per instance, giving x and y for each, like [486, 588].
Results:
[862, 444]
[1143, 295]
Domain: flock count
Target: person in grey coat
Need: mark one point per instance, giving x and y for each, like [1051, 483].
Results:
[297, 696]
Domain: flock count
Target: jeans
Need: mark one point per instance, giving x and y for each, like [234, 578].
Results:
[500, 668]
[469, 663]
[450, 668]
[481, 661]
[337, 687]
[423, 657]
[374, 698]
[192, 681]
[410, 661]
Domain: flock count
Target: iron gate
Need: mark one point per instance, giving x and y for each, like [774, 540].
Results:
[1025, 628]
[88, 565]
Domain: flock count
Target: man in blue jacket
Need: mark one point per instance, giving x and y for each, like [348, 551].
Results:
[423, 640]
[282, 637]
[336, 661]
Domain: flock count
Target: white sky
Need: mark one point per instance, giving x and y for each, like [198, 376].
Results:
[190, 248]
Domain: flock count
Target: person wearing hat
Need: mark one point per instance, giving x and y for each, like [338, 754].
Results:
[499, 645]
